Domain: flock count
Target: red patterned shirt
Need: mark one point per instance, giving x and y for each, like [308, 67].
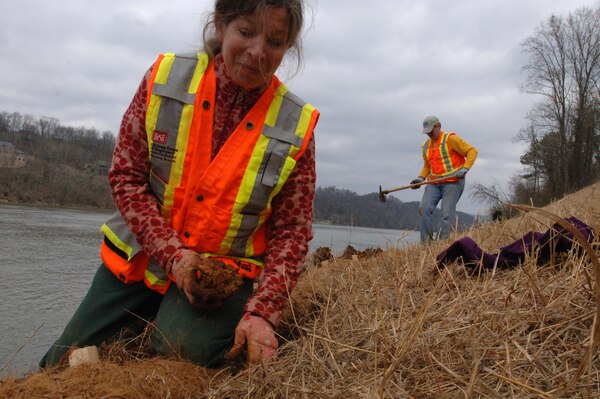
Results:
[289, 229]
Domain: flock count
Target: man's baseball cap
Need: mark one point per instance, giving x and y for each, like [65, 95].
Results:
[429, 122]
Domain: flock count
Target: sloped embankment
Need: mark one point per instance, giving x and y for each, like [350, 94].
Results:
[392, 326]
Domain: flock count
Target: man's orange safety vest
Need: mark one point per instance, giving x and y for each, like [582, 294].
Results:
[442, 159]
[219, 207]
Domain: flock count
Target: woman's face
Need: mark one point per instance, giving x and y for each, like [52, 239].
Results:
[254, 45]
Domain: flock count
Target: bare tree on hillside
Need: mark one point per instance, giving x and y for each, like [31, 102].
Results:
[584, 58]
[48, 126]
[563, 70]
[494, 197]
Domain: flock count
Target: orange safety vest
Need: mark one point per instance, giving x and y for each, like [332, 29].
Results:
[219, 207]
[442, 159]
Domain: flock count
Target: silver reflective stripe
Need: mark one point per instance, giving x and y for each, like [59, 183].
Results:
[174, 96]
[173, 92]
[178, 82]
[158, 187]
[270, 175]
[445, 155]
[283, 135]
[282, 138]
[157, 271]
[118, 226]
[426, 147]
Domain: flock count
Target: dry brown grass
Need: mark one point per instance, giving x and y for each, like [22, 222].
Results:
[392, 327]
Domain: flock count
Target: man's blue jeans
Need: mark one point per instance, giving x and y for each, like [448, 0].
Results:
[449, 194]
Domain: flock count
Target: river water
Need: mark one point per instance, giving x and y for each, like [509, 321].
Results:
[48, 257]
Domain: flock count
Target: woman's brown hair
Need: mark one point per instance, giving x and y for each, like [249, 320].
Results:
[227, 10]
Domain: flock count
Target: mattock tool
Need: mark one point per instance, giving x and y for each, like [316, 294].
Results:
[382, 193]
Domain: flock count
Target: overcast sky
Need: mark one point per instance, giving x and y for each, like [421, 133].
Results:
[374, 69]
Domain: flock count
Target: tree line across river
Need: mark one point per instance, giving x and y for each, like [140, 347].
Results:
[67, 166]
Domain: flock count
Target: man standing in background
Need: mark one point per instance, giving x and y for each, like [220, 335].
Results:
[445, 154]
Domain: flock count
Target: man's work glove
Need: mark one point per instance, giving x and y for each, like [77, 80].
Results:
[416, 181]
[205, 282]
[257, 335]
[461, 173]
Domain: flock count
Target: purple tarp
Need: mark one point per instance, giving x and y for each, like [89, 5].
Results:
[554, 240]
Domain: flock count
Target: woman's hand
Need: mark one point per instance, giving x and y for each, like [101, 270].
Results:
[205, 282]
[184, 272]
[258, 335]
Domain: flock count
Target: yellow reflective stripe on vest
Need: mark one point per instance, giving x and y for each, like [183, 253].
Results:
[154, 104]
[271, 163]
[168, 121]
[155, 275]
[307, 111]
[120, 235]
[445, 154]
[186, 122]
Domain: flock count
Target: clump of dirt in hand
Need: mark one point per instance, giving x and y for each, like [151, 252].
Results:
[215, 282]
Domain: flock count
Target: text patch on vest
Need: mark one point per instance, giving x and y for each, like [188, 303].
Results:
[163, 153]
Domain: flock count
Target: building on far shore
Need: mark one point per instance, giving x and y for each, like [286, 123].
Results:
[11, 157]
[100, 168]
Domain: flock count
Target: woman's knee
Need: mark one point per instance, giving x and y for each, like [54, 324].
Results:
[203, 337]
[205, 352]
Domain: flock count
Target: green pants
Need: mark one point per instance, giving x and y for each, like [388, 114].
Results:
[111, 307]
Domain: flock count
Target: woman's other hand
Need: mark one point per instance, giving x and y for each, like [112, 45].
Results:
[258, 336]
